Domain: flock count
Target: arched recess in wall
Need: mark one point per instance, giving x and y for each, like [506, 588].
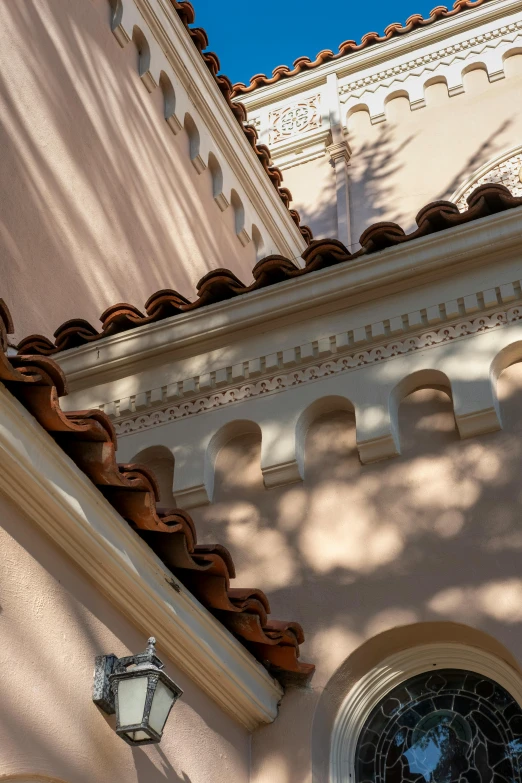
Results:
[217, 182]
[169, 102]
[259, 244]
[116, 13]
[475, 78]
[436, 91]
[422, 379]
[397, 105]
[504, 169]
[227, 433]
[143, 48]
[358, 119]
[512, 60]
[239, 218]
[160, 461]
[318, 408]
[509, 355]
[194, 143]
[437, 418]
[508, 384]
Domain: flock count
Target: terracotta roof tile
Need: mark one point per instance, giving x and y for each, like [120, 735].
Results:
[348, 47]
[221, 284]
[89, 439]
[199, 37]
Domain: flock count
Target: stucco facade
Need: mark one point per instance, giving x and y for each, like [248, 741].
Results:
[98, 190]
[342, 417]
[54, 622]
[418, 116]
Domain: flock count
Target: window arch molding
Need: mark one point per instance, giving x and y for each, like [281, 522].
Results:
[476, 178]
[367, 692]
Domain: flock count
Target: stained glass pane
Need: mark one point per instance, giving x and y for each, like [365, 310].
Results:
[449, 726]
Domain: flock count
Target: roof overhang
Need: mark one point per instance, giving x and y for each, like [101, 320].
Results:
[381, 53]
[46, 485]
[368, 278]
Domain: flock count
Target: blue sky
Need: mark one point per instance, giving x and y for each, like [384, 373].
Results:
[253, 37]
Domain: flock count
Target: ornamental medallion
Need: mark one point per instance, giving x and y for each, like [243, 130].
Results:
[296, 118]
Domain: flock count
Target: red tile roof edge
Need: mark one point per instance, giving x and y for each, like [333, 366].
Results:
[394, 30]
[219, 285]
[199, 37]
[88, 438]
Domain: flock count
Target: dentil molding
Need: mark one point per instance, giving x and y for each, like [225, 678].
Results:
[227, 385]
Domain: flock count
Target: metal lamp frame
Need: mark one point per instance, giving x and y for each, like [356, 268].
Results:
[110, 670]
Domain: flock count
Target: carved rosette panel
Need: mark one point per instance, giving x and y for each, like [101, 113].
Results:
[508, 173]
[291, 120]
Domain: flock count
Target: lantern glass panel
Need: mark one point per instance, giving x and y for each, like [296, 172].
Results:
[161, 704]
[132, 694]
[137, 736]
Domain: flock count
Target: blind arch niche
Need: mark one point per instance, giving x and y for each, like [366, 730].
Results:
[431, 671]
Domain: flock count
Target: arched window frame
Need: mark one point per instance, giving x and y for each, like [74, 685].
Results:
[477, 175]
[366, 694]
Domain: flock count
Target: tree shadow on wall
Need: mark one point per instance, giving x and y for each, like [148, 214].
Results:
[378, 157]
[371, 181]
[99, 199]
[147, 771]
[485, 152]
[357, 549]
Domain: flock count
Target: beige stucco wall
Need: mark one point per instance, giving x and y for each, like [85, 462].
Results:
[430, 537]
[99, 201]
[313, 188]
[53, 622]
[414, 157]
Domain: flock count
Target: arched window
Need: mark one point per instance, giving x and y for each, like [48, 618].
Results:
[445, 726]
[436, 713]
[504, 170]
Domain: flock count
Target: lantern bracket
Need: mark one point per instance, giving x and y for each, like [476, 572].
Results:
[102, 693]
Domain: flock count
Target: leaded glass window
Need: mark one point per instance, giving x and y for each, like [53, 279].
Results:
[449, 726]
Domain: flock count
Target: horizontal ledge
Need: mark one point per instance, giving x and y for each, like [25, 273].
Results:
[366, 279]
[359, 62]
[46, 485]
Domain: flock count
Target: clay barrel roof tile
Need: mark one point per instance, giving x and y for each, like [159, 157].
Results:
[89, 439]
[348, 47]
[220, 285]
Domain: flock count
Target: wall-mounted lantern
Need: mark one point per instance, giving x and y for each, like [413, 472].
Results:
[140, 693]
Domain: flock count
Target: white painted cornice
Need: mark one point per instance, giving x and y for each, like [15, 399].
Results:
[380, 53]
[47, 486]
[367, 279]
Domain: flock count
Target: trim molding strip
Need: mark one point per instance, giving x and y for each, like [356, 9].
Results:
[282, 381]
[46, 485]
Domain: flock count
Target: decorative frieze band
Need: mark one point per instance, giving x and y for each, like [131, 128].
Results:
[280, 381]
[478, 42]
